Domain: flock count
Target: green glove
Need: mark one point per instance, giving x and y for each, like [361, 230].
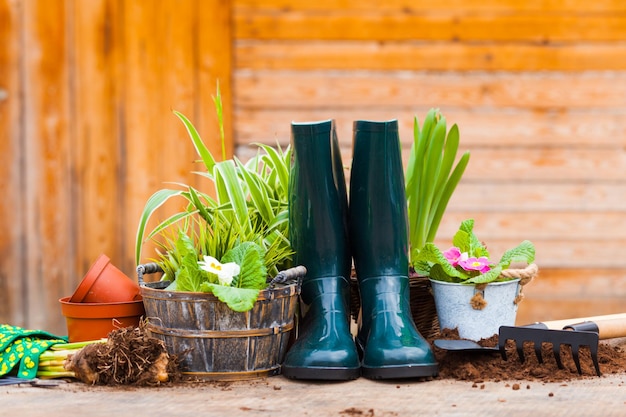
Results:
[24, 346]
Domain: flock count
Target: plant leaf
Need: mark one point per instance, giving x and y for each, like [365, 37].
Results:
[524, 252]
[258, 194]
[432, 255]
[249, 256]
[201, 149]
[237, 299]
[154, 202]
[189, 276]
[229, 190]
[487, 277]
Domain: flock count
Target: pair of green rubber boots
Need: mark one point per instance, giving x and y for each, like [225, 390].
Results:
[327, 233]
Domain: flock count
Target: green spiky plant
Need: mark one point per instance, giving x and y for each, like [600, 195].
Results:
[431, 177]
[249, 211]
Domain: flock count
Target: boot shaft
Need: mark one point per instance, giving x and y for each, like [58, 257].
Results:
[378, 216]
[318, 202]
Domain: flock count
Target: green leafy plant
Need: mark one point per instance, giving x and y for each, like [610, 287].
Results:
[468, 260]
[431, 177]
[236, 279]
[248, 203]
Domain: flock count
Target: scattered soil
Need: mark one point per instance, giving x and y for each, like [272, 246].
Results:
[132, 358]
[490, 366]
[129, 357]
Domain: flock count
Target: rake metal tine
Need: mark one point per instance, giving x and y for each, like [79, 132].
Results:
[519, 344]
[556, 350]
[576, 359]
[594, 357]
[502, 344]
[539, 335]
[538, 346]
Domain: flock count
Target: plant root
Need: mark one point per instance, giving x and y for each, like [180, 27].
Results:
[129, 357]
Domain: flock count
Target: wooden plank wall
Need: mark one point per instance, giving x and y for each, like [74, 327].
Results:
[87, 87]
[538, 89]
[87, 90]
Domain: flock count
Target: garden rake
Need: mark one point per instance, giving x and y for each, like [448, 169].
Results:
[576, 332]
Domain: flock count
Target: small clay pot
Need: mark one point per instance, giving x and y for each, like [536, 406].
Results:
[92, 321]
[104, 283]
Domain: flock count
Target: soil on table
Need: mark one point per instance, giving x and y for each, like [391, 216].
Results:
[490, 366]
[130, 355]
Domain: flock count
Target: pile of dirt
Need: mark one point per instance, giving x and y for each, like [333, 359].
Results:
[490, 366]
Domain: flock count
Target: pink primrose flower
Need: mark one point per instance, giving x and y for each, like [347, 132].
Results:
[454, 255]
[476, 264]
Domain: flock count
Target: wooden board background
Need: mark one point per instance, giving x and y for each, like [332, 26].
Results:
[537, 88]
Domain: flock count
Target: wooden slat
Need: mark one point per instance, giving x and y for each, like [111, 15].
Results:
[563, 252]
[551, 225]
[159, 78]
[201, 57]
[532, 310]
[47, 192]
[544, 198]
[562, 239]
[533, 166]
[13, 306]
[96, 46]
[452, 26]
[544, 165]
[493, 127]
[568, 293]
[215, 55]
[394, 90]
[423, 6]
[429, 56]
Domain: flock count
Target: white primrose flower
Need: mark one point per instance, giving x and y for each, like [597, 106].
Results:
[225, 272]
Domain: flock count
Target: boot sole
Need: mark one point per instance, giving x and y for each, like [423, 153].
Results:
[327, 374]
[400, 372]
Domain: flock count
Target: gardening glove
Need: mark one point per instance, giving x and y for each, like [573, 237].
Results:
[24, 346]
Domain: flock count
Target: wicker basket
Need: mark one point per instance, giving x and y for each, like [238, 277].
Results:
[422, 304]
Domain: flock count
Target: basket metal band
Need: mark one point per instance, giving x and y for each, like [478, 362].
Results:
[219, 334]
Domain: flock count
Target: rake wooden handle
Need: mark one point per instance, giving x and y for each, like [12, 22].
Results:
[609, 326]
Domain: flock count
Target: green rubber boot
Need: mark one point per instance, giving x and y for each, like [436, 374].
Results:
[390, 344]
[318, 229]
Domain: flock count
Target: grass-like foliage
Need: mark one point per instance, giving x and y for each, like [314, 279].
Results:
[431, 177]
[245, 202]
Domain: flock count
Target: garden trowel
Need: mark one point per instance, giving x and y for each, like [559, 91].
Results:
[575, 332]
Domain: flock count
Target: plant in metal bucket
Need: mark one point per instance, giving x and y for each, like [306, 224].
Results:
[468, 261]
[431, 177]
[242, 221]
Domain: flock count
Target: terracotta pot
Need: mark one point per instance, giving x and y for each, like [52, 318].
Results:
[104, 283]
[91, 321]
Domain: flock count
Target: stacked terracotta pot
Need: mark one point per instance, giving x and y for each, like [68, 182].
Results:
[106, 299]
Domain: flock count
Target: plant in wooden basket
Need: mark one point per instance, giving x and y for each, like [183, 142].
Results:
[243, 229]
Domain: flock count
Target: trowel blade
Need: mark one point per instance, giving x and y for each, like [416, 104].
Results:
[463, 345]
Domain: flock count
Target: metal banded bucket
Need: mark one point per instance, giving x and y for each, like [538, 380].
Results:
[214, 342]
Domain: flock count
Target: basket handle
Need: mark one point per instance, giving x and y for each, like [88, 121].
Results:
[292, 274]
[149, 268]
